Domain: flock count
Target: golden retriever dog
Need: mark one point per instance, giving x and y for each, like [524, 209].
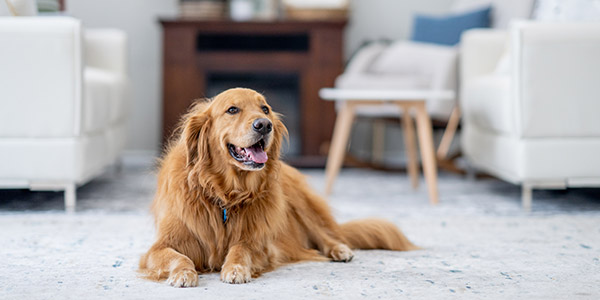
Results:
[225, 202]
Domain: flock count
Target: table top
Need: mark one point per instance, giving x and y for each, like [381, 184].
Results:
[384, 94]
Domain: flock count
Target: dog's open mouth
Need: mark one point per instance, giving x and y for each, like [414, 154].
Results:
[253, 156]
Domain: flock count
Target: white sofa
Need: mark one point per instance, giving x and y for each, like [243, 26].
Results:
[531, 104]
[63, 103]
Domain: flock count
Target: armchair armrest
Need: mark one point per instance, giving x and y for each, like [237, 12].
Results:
[480, 51]
[41, 77]
[555, 74]
[106, 49]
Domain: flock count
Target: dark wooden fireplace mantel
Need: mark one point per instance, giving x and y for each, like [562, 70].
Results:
[312, 49]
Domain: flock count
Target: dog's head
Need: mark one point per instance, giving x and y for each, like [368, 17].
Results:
[237, 128]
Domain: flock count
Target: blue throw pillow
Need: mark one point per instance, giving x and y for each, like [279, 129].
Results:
[446, 30]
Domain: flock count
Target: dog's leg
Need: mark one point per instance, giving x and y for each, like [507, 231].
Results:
[162, 261]
[236, 268]
[328, 244]
[323, 230]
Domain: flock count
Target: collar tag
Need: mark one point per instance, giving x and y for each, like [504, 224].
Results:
[224, 215]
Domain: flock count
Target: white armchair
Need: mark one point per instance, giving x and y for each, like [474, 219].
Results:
[421, 66]
[63, 103]
[530, 103]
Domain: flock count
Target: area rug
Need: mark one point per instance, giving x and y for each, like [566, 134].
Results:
[477, 243]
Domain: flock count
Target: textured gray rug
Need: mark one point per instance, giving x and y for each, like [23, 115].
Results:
[478, 243]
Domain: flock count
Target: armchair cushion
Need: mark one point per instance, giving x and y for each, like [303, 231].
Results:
[103, 100]
[106, 49]
[481, 50]
[486, 103]
[446, 30]
[410, 58]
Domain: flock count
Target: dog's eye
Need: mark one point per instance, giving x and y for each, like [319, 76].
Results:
[266, 110]
[233, 110]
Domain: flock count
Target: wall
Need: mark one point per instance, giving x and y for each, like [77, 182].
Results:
[370, 19]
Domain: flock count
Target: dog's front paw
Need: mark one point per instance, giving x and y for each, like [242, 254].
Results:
[235, 274]
[341, 252]
[183, 278]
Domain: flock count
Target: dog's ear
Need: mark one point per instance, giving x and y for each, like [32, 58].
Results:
[280, 134]
[195, 134]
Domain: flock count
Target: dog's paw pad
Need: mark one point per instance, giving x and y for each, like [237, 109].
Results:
[183, 278]
[235, 274]
[341, 252]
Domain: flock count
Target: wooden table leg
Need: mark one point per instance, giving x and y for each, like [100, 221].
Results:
[411, 146]
[427, 151]
[341, 134]
[449, 133]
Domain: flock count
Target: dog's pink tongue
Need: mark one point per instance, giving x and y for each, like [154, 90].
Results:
[257, 154]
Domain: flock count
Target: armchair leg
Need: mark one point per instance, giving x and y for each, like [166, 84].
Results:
[526, 196]
[528, 186]
[118, 166]
[471, 172]
[70, 197]
[69, 188]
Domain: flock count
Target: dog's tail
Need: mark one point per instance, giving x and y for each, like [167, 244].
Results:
[375, 234]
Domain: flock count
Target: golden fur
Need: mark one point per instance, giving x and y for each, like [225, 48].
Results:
[273, 216]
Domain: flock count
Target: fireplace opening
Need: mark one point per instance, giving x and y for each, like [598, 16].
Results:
[281, 91]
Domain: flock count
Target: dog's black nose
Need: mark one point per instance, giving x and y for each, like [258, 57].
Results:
[262, 126]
